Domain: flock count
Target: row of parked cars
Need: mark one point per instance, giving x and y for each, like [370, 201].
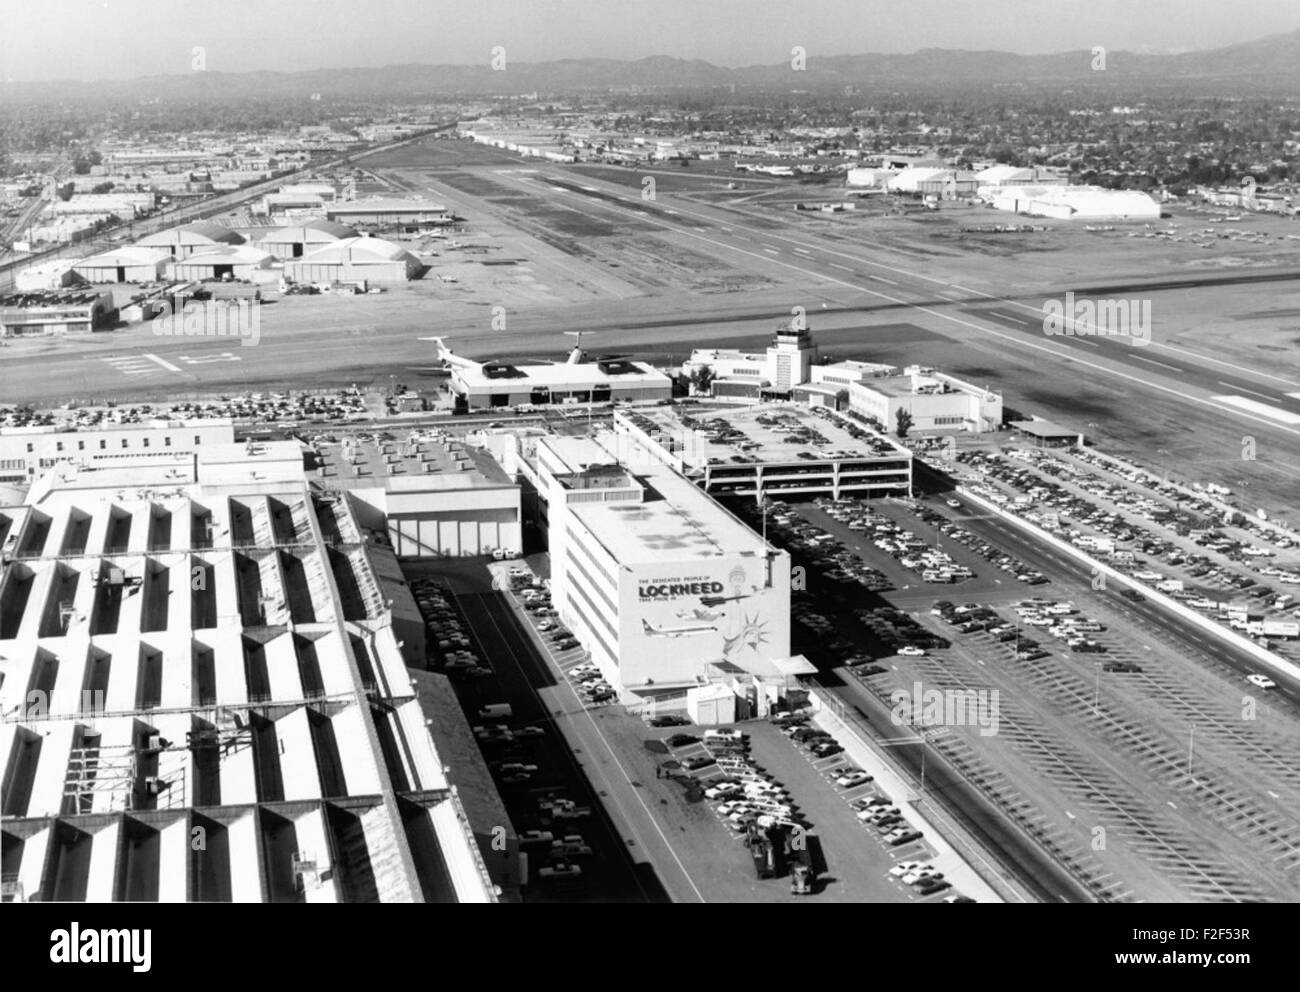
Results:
[745, 795]
[447, 636]
[992, 554]
[1127, 546]
[831, 557]
[912, 552]
[897, 632]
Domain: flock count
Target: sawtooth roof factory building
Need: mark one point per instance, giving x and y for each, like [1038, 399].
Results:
[206, 694]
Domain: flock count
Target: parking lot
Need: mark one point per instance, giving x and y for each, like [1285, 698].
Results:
[1094, 718]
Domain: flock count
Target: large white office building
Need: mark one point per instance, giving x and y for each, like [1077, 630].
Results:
[672, 594]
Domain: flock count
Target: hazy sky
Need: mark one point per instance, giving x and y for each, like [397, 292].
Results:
[115, 39]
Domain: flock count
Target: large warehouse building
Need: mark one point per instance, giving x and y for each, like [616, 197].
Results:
[1074, 202]
[222, 262]
[437, 495]
[673, 595]
[181, 242]
[126, 264]
[388, 213]
[354, 260]
[303, 239]
[206, 695]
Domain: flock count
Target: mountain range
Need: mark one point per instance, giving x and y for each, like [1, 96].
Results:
[1272, 62]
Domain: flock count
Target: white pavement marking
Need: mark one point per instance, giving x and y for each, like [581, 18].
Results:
[837, 265]
[165, 364]
[1272, 412]
[1163, 365]
[887, 282]
[205, 359]
[1243, 389]
[1007, 316]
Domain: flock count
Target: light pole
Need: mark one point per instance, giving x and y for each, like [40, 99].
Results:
[923, 738]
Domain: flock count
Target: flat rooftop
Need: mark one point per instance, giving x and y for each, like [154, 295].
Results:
[766, 433]
[677, 520]
[406, 460]
[582, 375]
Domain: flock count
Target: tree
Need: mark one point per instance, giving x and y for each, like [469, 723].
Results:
[903, 420]
[702, 377]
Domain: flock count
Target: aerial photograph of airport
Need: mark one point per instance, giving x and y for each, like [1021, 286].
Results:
[577, 452]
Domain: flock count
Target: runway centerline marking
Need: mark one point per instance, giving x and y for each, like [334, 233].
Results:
[1243, 389]
[1163, 365]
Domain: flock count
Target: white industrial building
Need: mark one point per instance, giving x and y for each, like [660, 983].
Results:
[222, 262]
[672, 594]
[183, 241]
[873, 178]
[436, 495]
[1007, 175]
[26, 452]
[126, 264]
[207, 697]
[936, 402]
[302, 239]
[1074, 202]
[387, 212]
[359, 259]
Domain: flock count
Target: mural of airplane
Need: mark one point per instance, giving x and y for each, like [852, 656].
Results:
[684, 631]
[697, 614]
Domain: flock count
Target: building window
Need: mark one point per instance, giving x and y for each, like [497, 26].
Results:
[58, 445]
[29, 446]
[146, 442]
[81, 445]
[196, 439]
[102, 444]
[167, 441]
[124, 442]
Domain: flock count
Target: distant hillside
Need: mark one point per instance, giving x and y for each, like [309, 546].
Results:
[1273, 61]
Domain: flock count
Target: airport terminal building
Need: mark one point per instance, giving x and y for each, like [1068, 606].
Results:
[206, 694]
[484, 385]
